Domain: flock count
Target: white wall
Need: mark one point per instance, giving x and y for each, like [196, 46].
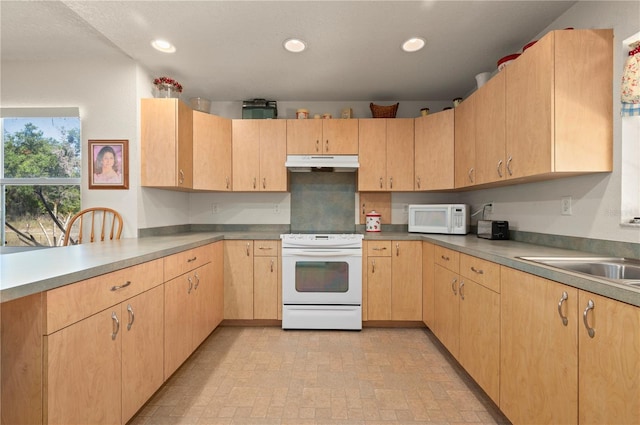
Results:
[105, 93]
[535, 207]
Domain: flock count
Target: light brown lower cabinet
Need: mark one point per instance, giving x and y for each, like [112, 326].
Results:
[93, 352]
[394, 280]
[251, 279]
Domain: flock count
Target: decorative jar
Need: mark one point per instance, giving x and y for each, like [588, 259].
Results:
[167, 91]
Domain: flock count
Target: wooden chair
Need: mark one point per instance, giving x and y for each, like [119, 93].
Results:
[109, 225]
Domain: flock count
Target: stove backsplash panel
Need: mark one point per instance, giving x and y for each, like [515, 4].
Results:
[323, 202]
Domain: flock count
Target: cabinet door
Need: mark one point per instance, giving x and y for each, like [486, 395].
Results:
[434, 151]
[400, 140]
[217, 281]
[185, 146]
[406, 280]
[178, 322]
[83, 371]
[378, 288]
[538, 352]
[447, 308]
[465, 142]
[372, 174]
[609, 380]
[340, 137]
[203, 298]
[212, 152]
[480, 336]
[246, 155]
[529, 111]
[273, 154]
[142, 328]
[238, 279]
[304, 137]
[158, 139]
[490, 131]
[265, 287]
[428, 283]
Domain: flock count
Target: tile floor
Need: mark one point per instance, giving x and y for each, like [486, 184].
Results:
[264, 375]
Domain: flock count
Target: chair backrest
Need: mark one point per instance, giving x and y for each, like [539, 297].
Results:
[93, 225]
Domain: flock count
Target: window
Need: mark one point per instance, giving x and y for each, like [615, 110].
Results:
[40, 174]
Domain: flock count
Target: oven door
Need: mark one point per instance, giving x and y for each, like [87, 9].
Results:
[322, 276]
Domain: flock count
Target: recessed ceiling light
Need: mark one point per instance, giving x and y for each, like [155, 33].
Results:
[294, 45]
[413, 44]
[163, 46]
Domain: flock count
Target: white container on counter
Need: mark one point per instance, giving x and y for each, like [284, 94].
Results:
[373, 222]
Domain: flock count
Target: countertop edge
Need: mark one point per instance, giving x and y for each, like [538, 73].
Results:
[106, 258]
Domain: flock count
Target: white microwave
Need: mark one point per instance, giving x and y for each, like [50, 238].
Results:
[451, 219]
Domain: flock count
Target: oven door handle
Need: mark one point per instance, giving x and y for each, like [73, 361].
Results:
[324, 253]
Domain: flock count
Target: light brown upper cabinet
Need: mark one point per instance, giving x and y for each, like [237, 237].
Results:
[386, 154]
[465, 142]
[184, 149]
[434, 151]
[211, 152]
[322, 137]
[490, 143]
[166, 144]
[559, 106]
[258, 155]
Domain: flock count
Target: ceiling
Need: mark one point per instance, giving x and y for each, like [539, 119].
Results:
[232, 50]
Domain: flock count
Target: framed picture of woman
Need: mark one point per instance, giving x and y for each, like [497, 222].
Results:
[108, 164]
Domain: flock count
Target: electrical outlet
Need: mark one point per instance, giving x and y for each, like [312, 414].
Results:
[488, 208]
[405, 209]
[565, 203]
[215, 209]
[276, 208]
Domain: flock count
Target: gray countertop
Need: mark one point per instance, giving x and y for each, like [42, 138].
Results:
[27, 272]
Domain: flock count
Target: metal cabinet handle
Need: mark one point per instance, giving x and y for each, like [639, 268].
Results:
[373, 266]
[509, 170]
[390, 182]
[248, 251]
[190, 284]
[563, 298]
[227, 181]
[363, 209]
[116, 325]
[197, 281]
[180, 177]
[191, 260]
[397, 249]
[264, 182]
[470, 173]
[445, 258]
[375, 248]
[381, 183]
[479, 271]
[418, 182]
[461, 289]
[590, 306]
[254, 182]
[326, 145]
[265, 248]
[124, 285]
[453, 286]
[499, 168]
[317, 145]
[132, 317]
[271, 266]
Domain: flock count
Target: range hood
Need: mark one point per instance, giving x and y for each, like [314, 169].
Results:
[337, 163]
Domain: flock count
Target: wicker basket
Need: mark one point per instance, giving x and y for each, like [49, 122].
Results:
[379, 111]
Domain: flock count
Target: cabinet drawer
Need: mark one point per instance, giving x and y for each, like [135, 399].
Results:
[265, 248]
[182, 262]
[447, 258]
[71, 303]
[378, 248]
[480, 271]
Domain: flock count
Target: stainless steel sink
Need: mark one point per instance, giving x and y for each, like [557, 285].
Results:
[621, 270]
